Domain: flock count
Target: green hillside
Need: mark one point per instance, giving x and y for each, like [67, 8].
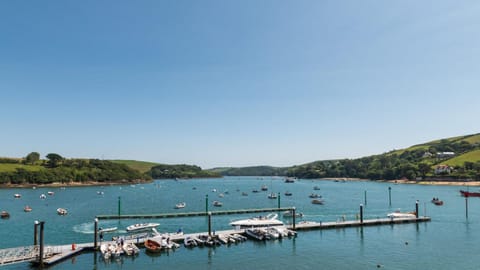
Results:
[142, 166]
[415, 162]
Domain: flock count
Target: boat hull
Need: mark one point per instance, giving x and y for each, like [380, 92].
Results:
[469, 194]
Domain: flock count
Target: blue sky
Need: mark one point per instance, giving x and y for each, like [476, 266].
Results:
[235, 83]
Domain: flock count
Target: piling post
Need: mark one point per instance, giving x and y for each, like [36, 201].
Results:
[416, 209]
[361, 214]
[293, 217]
[209, 223]
[40, 257]
[95, 228]
[119, 205]
[35, 233]
[206, 203]
[278, 203]
[365, 197]
[390, 196]
[466, 207]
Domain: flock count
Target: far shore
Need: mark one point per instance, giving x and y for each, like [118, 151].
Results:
[421, 182]
[74, 184]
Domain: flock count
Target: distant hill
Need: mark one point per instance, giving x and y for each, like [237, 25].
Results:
[460, 155]
[250, 171]
[163, 171]
[142, 166]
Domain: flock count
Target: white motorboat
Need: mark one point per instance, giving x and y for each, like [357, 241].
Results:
[260, 221]
[256, 233]
[398, 214]
[130, 249]
[189, 242]
[43, 196]
[180, 205]
[105, 230]
[217, 203]
[289, 213]
[141, 227]
[62, 211]
[105, 250]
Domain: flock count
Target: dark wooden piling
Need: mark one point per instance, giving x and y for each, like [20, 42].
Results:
[361, 213]
[209, 223]
[390, 196]
[40, 257]
[35, 233]
[416, 208]
[95, 228]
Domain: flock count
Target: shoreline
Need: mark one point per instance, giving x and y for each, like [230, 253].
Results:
[412, 182]
[74, 184]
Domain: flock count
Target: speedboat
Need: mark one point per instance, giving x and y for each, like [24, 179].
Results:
[105, 230]
[260, 221]
[16, 195]
[141, 227]
[189, 242]
[62, 211]
[398, 214]
[180, 205]
[27, 208]
[51, 193]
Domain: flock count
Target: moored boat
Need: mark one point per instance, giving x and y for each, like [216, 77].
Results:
[289, 180]
[398, 214]
[256, 233]
[217, 203]
[4, 214]
[152, 246]
[317, 201]
[469, 193]
[272, 195]
[62, 211]
[141, 227]
[180, 205]
[260, 221]
[43, 196]
[16, 195]
[289, 213]
[51, 193]
[314, 195]
[27, 208]
[288, 193]
[264, 188]
[130, 249]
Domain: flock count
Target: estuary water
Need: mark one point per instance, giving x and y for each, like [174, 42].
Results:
[449, 241]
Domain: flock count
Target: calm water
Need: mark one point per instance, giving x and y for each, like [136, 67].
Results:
[449, 241]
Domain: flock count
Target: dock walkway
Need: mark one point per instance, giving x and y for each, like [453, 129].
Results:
[57, 253]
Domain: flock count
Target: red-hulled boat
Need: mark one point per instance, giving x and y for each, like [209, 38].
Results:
[152, 246]
[469, 193]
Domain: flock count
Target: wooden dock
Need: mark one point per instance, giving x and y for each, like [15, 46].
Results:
[193, 214]
[55, 254]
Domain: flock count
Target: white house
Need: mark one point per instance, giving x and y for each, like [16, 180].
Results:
[443, 169]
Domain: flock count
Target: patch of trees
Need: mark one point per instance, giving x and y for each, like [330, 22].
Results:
[59, 169]
[180, 171]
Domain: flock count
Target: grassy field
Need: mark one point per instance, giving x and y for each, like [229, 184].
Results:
[142, 166]
[472, 156]
[9, 167]
[473, 139]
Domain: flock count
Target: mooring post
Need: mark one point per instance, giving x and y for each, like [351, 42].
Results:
[278, 200]
[40, 257]
[416, 208]
[293, 216]
[95, 228]
[206, 203]
[390, 196]
[361, 214]
[466, 206]
[209, 223]
[119, 205]
[35, 233]
[365, 196]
